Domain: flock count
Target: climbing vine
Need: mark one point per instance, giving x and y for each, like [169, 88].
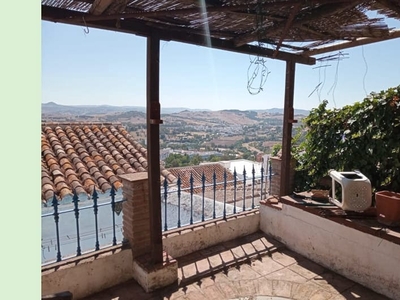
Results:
[364, 136]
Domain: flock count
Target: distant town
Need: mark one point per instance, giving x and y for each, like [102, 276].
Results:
[189, 137]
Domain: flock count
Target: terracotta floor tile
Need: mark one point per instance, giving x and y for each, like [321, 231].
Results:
[264, 286]
[246, 273]
[249, 249]
[286, 275]
[205, 282]
[283, 274]
[304, 291]
[229, 289]
[215, 261]
[270, 243]
[283, 259]
[307, 269]
[238, 252]
[213, 293]
[322, 295]
[220, 277]
[203, 265]
[233, 274]
[176, 295]
[266, 266]
[247, 288]
[190, 288]
[188, 271]
[227, 256]
[333, 282]
[260, 246]
[198, 295]
[281, 288]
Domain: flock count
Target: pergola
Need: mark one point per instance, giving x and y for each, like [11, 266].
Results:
[290, 30]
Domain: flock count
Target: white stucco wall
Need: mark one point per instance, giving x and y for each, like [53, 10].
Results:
[361, 257]
[189, 239]
[89, 275]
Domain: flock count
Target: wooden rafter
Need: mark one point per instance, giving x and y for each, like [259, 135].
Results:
[357, 42]
[322, 35]
[168, 33]
[185, 11]
[289, 21]
[389, 4]
[321, 11]
[283, 45]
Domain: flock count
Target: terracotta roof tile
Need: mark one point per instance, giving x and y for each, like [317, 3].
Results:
[82, 156]
[197, 172]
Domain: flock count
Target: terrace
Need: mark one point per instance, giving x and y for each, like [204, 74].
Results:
[155, 259]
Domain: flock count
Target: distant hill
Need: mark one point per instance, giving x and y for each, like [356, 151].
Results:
[279, 111]
[52, 108]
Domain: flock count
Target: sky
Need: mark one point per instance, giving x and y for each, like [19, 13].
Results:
[103, 67]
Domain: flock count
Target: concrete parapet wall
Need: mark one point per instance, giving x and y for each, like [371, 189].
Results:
[89, 273]
[182, 241]
[364, 258]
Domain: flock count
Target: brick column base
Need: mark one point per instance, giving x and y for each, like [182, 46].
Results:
[276, 163]
[135, 212]
[136, 229]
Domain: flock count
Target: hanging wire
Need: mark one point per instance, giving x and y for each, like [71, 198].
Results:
[85, 30]
[315, 89]
[334, 57]
[333, 87]
[257, 72]
[366, 70]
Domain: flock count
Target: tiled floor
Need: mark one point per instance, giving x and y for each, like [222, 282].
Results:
[255, 267]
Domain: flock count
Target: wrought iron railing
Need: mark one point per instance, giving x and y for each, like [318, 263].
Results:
[186, 205]
[97, 225]
[83, 226]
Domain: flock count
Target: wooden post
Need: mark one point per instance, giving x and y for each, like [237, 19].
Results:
[287, 128]
[153, 146]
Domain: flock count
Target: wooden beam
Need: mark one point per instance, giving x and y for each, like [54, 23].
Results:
[393, 34]
[389, 4]
[289, 21]
[153, 146]
[321, 11]
[287, 129]
[221, 44]
[168, 33]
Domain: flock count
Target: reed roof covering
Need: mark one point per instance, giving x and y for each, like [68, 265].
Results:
[282, 29]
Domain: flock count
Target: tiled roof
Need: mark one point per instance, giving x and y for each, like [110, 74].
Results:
[197, 171]
[83, 156]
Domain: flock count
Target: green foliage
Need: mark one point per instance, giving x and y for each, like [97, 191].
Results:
[364, 136]
[179, 160]
[275, 149]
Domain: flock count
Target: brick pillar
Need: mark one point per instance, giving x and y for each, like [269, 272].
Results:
[276, 178]
[135, 212]
[276, 163]
[136, 229]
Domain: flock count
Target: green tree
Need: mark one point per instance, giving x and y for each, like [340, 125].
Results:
[362, 136]
[196, 160]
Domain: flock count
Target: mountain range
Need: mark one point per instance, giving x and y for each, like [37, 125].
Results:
[54, 108]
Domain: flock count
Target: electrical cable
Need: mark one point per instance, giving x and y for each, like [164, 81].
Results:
[366, 70]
